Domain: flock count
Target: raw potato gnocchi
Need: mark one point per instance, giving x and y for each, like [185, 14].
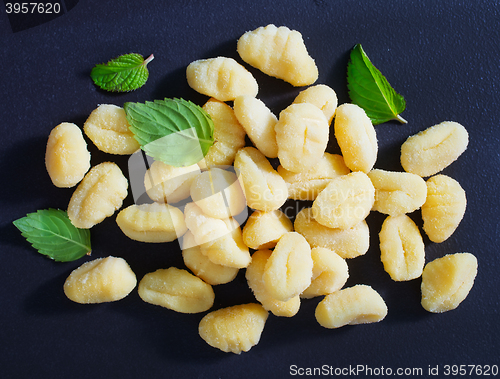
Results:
[302, 133]
[444, 207]
[288, 270]
[155, 222]
[356, 137]
[229, 135]
[347, 243]
[100, 280]
[177, 290]
[254, 275]
[108, 128]
[66, 158]
[307, 185]
[234, 329]
[397, 192]
[321, 96]
[345, 202]
[99, 195]
[434, 149]
[264, 188]
[278, 52]
[258, 122]
[402, 248]
[262, 230]
[222, 78]
[360, 304]
[446, 281]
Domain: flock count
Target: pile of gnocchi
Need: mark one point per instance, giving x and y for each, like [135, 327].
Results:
[285, 262]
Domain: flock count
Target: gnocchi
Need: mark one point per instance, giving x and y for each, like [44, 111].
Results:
[108, 128]
[262, 230]
[302, 133]
[177, 290]
[66, 158]
[99, 195]
[99, 281]
[321, 96]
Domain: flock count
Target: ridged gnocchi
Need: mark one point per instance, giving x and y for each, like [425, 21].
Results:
[321, 96]
[262, 230]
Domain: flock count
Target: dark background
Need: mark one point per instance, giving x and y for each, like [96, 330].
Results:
[442, 56]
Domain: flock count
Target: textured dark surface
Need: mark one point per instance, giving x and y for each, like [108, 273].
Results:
[441, 56]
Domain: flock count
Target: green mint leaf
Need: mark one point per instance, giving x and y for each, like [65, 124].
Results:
[369, 89]
[174, 131]
[126, 73]
[51, 232]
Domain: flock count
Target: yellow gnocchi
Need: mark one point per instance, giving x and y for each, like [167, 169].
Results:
[359, 304]
[264, 188]
[444, 207]
[288, 270]
[258, 122]
[321, 96]
[356, 137]
[434, 148]
[108, 128]
[345, 202]
[155, 222]
[99, 195]
[402, 248]
[447, 281]
[229, 135]
[278, 52]
[66, 158]
[262, 230]
[397, 192]
[347, 243]
[222, 78]
[306, 185]
[254, 275]
[302, 133]
[234, 329]
[100, 280]
[330, 273]
[177, 290]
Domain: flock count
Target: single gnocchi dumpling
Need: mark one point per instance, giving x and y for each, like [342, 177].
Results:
[169, 184]
[262, 230]
[401, 248]
[108, 128]
[434, 148]
[234, 329]
[360, 304]
[302, 133]
[330, 273]
[444, 207]
[177, 290]
[220, 240]
[258, 122]
[347, 243]
[155, 222]
[307, 185]
[321, 96]
[254, 275]
[356, 137]
[229, 135]
[264, 188]
[99, 195]
[202, 266]
[100, 280]
[218, 193]
[222, 78]
[345, 202]
[397, 193]
[447, 281]
[288, 270]
[66, 158]
[278, 52]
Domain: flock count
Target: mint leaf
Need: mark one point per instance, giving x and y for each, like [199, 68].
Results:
[51, 232]
[174, 131]
[126, 73]
[369, 89]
